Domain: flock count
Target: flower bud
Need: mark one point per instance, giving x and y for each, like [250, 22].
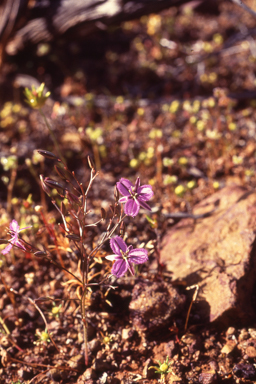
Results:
[73, 237]
[164, 367]
[48, 155]
[44, 186]
[53, 184]
[112, 209]
[62, 172]
[122, 229]
[103, 213]
[72, 198]
[116, 194]
[179, 190]
[35, 97]
[90, 162]
[38, 208]
[40, 253]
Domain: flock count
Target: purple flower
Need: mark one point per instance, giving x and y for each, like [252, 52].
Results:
[134, 196]
[14, 232]
[125, 256]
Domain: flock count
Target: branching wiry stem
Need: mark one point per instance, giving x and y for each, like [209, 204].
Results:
[61, 267]
[78, 211]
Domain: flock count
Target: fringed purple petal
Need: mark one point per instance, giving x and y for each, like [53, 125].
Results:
[7, 249]
[123, 186]
[119, 268]
[145, 192]
[132, 207]
[124, 199]
[19, 244]
[14, 232]
[22, 229]
[113, 257]
[14, 226]
[138, 256]
[117, 244]
[144, 205]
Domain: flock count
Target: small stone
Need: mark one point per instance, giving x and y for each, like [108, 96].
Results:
[82, 379]
[127, 333]
[208, 377]
[76, 361]
[213, 365]
[103, 378]
[55, 374]
[134, 365]
[148, 373]
[101, 365]
[4, 341]
[123, 364]
[229, 347]
[153, 305]
[251, 351]
[173, 379]
[89, 374]
[245, 371]
[230, 331]
[113, 380]
[127, 348]
[94, 345]
[163, 349]
[244, 335]
[252, 332]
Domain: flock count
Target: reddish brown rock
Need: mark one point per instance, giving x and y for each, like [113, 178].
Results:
[153, 305]
[218, 252]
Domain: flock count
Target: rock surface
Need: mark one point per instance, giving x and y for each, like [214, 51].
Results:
[153, 305]
[26, 22]
[218, 253]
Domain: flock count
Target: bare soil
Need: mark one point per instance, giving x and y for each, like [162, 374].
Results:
[174, 97]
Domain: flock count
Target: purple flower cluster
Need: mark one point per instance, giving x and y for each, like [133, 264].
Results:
[125, 256]
[14, 231]
[134, 196]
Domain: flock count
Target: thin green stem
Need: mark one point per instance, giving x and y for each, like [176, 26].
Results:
[84, 277]
[84, 320]
[54, 262]
[4, 326]
[96, 153]
[45, 321]
[53, 136]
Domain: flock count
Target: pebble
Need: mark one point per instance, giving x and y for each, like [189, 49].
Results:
[153, 305]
